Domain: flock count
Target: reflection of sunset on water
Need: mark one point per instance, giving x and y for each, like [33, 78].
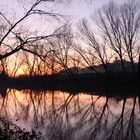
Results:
[46, 110]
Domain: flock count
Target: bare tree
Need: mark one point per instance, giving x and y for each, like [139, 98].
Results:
[130, 28]
[51, 61]
[30, 61]
[61, 47]
[120, 25]
[98, 50]
[87, 60]
[76, 61]
[10, 30]
[110, 24]
[17, 65]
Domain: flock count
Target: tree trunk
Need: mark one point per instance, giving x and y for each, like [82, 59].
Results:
[122, 63]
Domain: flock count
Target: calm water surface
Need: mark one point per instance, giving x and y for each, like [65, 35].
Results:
[62, 115]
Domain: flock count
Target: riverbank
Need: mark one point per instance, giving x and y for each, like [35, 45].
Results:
[111, 84]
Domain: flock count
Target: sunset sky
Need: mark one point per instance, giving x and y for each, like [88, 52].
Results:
[76, 10]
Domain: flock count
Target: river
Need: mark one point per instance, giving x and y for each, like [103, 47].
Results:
[72, 116]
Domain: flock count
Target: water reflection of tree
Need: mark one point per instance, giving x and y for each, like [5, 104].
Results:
[70, 117]
[3, 106]
[125, 126]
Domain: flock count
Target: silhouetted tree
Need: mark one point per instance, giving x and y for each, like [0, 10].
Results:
[98, 50]
[130, 28]
[87, 60]
[110, 24]
[61, 48]
[120, 25]
[13, 29]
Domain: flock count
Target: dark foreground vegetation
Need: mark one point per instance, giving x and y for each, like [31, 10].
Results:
[10, 131]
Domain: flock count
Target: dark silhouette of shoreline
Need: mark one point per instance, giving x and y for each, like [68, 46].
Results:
[111, 84]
